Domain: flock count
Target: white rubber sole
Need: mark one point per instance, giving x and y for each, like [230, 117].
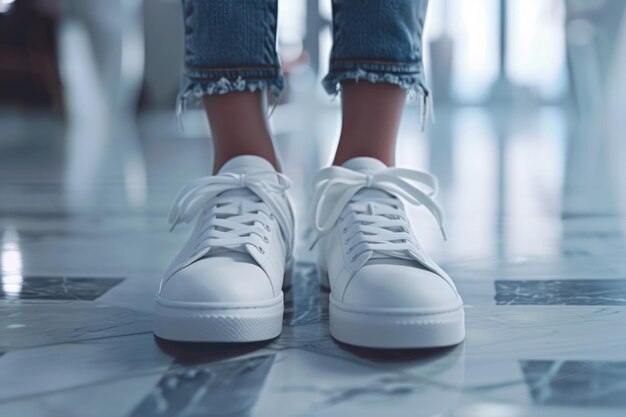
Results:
[381, 328]
[396, 328]
[218, 322]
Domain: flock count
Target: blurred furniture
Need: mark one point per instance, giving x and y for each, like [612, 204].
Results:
[29, 75]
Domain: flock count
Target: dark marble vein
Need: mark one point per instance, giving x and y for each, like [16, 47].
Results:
[305, 302]
[576, 383]
[56, 288]
[606, 292]
[228, 388]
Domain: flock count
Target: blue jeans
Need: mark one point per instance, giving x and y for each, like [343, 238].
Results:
[230, 45]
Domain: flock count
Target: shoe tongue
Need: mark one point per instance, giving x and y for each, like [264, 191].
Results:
[245, 164]
[364, 164]
[367, 165]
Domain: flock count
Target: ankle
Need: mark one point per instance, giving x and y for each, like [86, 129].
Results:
[262, 147]
[239, 127]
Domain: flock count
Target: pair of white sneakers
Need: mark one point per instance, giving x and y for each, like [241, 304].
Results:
[385, 292]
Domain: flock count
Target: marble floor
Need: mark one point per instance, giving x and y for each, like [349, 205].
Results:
[536, 219]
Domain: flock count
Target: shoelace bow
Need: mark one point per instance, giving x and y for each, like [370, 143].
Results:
[343, 184]
[194, 197]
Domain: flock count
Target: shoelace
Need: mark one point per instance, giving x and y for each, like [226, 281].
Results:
[380, 223]
[238, 220]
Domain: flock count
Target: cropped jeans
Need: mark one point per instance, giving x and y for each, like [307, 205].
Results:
[230, 45]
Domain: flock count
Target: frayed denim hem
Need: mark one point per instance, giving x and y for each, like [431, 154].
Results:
[413, 83]
[192, 91]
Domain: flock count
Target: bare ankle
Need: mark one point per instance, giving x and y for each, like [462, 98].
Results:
[223, 156]
[239, 127]
[370, 121]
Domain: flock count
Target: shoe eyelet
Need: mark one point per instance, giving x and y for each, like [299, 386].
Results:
[353, 259]
[272, 217]
[267, 227]
[349, 249]
[345, 229]
[260, 249]
[265, 239]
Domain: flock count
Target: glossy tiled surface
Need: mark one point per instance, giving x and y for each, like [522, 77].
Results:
[536, 221]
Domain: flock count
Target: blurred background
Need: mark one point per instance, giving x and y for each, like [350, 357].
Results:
[529, 103]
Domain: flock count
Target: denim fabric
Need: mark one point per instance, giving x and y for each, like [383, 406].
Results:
[377, 40]
[230, 45]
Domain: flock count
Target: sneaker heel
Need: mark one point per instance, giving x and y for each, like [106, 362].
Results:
[323, 277]
[288, 275]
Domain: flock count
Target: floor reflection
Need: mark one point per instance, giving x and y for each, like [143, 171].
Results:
[10, 265]
[189, 354]
[229, 388]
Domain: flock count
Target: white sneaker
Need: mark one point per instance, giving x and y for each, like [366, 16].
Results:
[226, 283]
[385, 291]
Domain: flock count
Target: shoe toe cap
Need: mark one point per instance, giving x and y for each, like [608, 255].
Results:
[399, 286]
[218, 280]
